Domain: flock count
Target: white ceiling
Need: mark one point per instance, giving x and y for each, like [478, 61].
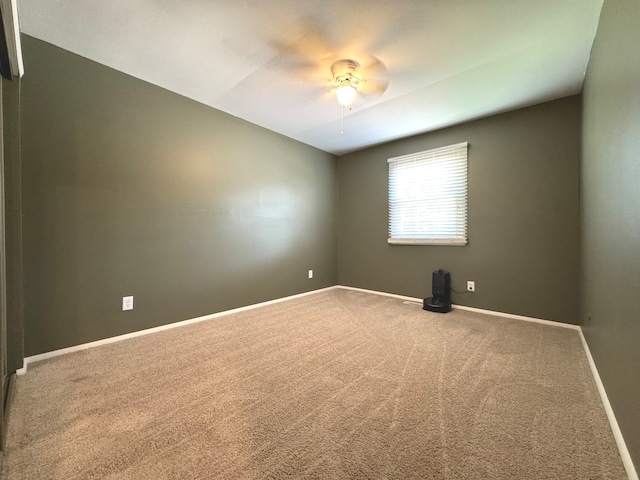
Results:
[268, 62]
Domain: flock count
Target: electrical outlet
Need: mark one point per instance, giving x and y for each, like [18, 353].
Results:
[471, 286]
[310, 273]
[127, 303]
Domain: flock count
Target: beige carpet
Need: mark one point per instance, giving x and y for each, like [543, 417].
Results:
[335, 385]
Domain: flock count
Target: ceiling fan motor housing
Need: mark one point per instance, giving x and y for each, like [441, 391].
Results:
[345, 73]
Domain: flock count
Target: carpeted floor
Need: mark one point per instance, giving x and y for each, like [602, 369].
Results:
[335, 385]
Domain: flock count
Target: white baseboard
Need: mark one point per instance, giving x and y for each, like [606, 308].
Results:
[472, 309]
[512, 316]
[615, 428]
[622, 447]
[77, 348]
[376, 292]
[97, 343]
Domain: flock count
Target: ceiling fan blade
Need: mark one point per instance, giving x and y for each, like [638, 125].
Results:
[372, 66]
[306, 42]
[375, 87]
[317, 93]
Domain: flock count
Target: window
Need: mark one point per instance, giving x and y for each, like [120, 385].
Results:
[428, 197]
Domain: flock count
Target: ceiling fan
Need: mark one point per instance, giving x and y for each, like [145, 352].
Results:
[350, 78]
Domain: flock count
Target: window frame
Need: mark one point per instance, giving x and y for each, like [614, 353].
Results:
[410, 199]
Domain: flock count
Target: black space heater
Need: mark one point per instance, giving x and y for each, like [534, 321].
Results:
[441, 291]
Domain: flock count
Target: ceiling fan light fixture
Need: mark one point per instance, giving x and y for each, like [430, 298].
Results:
[347, 80]
[346, 94]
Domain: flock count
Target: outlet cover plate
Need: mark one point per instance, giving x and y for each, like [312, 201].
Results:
[127, 303]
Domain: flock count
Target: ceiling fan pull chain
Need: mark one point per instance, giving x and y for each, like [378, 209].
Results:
[341, 119]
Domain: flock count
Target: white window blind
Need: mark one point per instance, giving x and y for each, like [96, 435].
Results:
[428, 197]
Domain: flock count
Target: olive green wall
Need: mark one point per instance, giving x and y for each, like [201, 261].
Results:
[13, 221]
[523, 219]
[129, 189]
[611, 212]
